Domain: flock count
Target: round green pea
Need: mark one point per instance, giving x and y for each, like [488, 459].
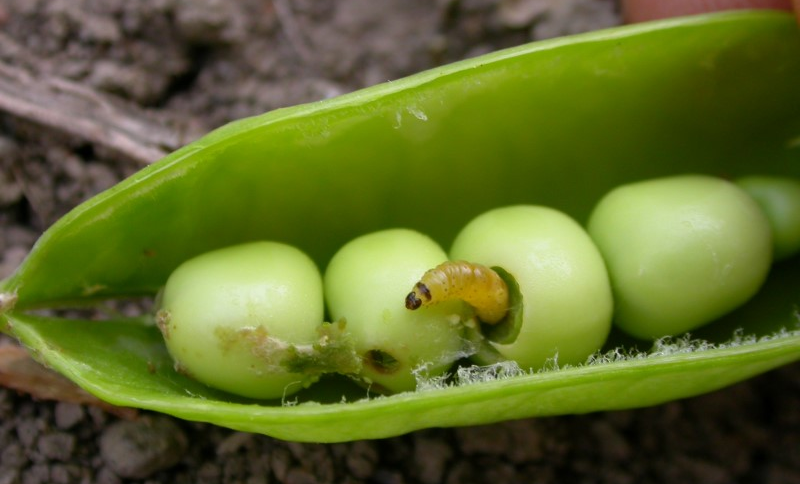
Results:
[231, 317]
[566, 297]
[681, 251]
[366, 284]
[779, 198]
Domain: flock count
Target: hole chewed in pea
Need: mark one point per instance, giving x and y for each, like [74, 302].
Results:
[332, 352]
[382, 361]
[507, 329]
[365, 283]
[565, 301]
[248, 319]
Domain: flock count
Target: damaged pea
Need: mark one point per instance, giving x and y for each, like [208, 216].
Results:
[365, 283]
[248, 319]
[566, 301]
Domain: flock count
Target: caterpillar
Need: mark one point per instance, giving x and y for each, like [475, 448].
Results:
[477, 285]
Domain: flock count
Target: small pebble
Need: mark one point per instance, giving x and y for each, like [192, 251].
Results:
[516, 14]
[430, 459]
[107, 476]
[37, 474]
[462, 472]
[233, 443]
[387, 476]
[280, 461]
[8, 476]
[527, 442]
[298, 475]
[206, 22]
[68, 415]
[98, 416]
[258, 479]
[484, 439]
[28, 430]
[63, 474]
[56, 446]
[361, 459]
[209, 472]
[13, 456]
[610, 441]
[10, 189]
[140, 448]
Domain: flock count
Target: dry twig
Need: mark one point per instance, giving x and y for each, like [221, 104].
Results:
[68, 107]
[18, 371]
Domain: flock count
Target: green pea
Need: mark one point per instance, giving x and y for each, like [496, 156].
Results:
[681, 251]
[779, 198]
[231, 318]
[366, 284]
[566, 297]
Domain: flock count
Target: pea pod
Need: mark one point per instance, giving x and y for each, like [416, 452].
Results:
[556, 123]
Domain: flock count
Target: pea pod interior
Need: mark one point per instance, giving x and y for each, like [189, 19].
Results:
[556, 123]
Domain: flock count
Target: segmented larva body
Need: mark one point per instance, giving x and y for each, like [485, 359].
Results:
[477, 285]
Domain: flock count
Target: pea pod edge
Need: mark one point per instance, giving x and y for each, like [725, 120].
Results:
[143, 378]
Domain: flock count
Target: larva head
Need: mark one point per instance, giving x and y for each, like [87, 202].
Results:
[416, 298]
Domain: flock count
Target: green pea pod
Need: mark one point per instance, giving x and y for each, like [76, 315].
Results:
[556, 123]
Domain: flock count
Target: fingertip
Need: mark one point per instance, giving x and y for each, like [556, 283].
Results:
[644, 10]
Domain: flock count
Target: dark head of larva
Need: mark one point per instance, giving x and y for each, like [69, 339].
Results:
[412, 301]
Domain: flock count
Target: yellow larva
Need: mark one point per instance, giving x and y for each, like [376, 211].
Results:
[477, 285]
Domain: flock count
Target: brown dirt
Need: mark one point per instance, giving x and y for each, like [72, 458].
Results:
[173, 69]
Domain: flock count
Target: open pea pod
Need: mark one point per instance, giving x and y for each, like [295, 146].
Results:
[556, 123]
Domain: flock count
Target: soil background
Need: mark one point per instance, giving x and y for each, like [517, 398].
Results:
[92, 90]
